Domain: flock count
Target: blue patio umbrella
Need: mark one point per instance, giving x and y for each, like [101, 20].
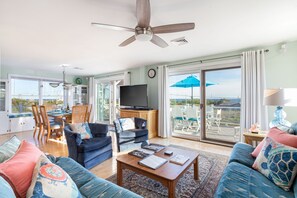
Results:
[190, 82]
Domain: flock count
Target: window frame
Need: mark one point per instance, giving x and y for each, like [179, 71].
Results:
[40, 88]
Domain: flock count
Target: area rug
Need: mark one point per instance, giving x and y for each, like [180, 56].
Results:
[211, 167]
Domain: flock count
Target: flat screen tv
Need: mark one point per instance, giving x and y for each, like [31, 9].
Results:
[134, 96]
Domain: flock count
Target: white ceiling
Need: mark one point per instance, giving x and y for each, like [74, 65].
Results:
[43, 34]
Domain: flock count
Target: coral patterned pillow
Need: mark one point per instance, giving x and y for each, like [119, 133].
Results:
[279, 136]
[278, 163]
[17, 171]
[50, 180]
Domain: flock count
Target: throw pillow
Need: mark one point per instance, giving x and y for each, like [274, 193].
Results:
[5, 189]
[127, 123]
[83, 129]
[279, 136]
[8, 148]
[278, 163]
[17, 171]
[50, 180]
[293, 129]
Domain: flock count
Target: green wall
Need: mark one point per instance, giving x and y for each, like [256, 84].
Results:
[281, 69]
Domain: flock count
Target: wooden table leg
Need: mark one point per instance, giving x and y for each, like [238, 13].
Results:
[196, 169]
[119, 174]
[171, 189]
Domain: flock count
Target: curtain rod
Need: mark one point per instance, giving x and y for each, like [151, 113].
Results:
[210, 59]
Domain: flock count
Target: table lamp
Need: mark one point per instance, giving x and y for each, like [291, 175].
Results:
[280, 98]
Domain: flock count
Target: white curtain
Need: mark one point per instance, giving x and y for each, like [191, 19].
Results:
[253, 83]
[92, 92]
[163, 102]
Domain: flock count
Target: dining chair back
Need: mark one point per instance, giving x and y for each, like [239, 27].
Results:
[79, 113]
[37, 119]
[47, 125]
[89, 112]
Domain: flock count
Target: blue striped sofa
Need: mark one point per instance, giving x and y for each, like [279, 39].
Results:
[89, 184]
[239, 179]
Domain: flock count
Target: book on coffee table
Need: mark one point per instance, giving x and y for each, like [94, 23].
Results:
[179, 159]
[141, 153]
[154, 147]
[152, 162]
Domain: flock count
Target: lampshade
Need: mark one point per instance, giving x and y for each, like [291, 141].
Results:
[280, 97]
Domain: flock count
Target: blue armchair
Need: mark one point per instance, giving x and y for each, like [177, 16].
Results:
[89, 152]
[130, 136]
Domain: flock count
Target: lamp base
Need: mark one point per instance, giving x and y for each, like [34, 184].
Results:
[279, 119]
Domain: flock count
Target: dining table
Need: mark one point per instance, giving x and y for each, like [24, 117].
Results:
[60, 115]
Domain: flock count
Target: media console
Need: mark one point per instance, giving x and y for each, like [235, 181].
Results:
[150, 115]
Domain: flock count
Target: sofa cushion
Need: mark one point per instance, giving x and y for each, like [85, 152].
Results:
[241, 153]
[134, 133]
[278, 163]
[279, 136]
[94, 144]
[8, 148]
[90, 185]
[5, 189]
[24, 162]
[49, 180]
[241, 181]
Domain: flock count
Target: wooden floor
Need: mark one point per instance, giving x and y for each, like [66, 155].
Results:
[108, 168]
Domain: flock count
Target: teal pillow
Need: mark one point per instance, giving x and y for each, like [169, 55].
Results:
[278, 163]
[5, 189]
[8, 148]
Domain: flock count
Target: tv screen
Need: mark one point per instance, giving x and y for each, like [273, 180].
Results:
[134, 95]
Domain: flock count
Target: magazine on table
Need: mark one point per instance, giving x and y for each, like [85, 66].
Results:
[179, 159]
[154, 147]
[141, 153]
[152, 162]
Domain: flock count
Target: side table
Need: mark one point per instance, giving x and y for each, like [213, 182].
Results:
[250, 137]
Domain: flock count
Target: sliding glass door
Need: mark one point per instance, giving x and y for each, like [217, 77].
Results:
[205, 104]
[184, 94]
[107, 100]
[222, 112]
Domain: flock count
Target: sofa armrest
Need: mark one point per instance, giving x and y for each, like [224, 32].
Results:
[140, 123]
[98, 130]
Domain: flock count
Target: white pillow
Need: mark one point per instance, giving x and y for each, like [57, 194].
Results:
[127, 123]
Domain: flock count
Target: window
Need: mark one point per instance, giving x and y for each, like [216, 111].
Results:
[27, 92]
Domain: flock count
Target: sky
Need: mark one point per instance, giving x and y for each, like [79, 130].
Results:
[227, 85]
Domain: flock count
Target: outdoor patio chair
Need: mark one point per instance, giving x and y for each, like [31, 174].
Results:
[214, 120]
[218, 119]
[178, 118]
[193, 117]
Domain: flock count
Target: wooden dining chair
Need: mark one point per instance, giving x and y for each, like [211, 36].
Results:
[89, 112]
[49, 126]
[38, 121]
[79, 113]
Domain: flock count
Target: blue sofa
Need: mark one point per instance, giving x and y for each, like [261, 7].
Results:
[89, 184]
[89, 152]
[239, 179]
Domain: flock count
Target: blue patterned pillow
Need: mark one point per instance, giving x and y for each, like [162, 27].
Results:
[50, 180]
[83, 129]
[278, 163]
[127, 123]
[8, 148]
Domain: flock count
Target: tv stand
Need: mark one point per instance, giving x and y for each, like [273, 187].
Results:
[151, 116]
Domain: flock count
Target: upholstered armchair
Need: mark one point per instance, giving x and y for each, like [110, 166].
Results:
[89, 152]
[130, 132]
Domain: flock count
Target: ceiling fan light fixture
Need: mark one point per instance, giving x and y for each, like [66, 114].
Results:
[54, 85]
[143, 34]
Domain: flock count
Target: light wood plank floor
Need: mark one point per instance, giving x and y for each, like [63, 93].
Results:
[108, 167]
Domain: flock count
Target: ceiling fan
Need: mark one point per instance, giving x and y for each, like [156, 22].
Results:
[143, 31]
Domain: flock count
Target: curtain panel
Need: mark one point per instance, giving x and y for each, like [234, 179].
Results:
[163, 102]
[253, 84]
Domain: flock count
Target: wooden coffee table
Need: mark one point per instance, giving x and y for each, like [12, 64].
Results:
[168, 174]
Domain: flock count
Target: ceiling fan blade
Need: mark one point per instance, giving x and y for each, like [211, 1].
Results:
[143, 13]
[113, 27]
[158, 41]
[128, 41]
[173, 28]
